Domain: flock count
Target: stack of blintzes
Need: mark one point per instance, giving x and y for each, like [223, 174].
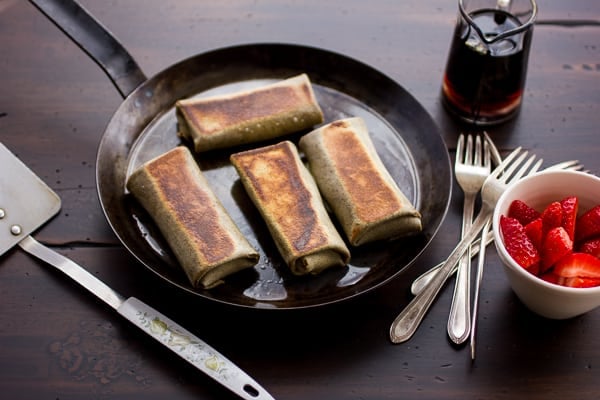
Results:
[344, 172]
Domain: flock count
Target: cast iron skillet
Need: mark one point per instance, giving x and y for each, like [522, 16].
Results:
[144, 126]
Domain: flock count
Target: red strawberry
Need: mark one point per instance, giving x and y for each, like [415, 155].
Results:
[518, 245]
[551, 217]
[579, 282]
[578, 265]
[534, 232]
[591, 246]
[556, 245]
[570, 206]
[519, 210]
[534, 269]
[588, 224]
[551, 277]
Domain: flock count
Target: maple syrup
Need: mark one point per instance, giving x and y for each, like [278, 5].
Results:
[484, 79]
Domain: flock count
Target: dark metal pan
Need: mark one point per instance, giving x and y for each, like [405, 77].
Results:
[144, 126]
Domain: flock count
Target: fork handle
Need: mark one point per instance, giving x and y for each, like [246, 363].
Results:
[459, 318]
[480, 266]
[420, 282]
[407, 322]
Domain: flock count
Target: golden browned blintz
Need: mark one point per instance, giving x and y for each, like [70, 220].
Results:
[203, 237]
[288, 200]
[249, 116]
[355, 183]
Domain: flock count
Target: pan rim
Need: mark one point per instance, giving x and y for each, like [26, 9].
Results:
[145, 95]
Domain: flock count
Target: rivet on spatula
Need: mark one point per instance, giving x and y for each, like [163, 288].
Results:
[2, 213]
[16, 230]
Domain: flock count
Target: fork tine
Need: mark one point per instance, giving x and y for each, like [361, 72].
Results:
[500, 168]
[478, 156]
[507, 173]
[571, 164]
[536, 167]
[523, 170]
[469, 150]
[495, 154]
[487, 159]
[459, 148]
[566, 164]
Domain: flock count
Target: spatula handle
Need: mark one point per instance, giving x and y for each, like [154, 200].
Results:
[192, 349]
[73, 271]
[167, 332]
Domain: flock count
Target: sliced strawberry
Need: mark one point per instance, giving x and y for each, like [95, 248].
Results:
[534, 269]
[578, 265]
[570, 206]
[591, 246]
[555, 246]
[588, 225]
[534, 232]
[518, 245]
[551, 217]
[519, 210]
[578, 282]
[551, 277]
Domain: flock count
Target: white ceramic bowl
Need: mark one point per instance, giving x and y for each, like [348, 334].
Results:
[539, 190]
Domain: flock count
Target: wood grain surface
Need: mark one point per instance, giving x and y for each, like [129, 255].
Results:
[58, 342]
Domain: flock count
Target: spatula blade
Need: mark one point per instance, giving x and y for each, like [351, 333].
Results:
[26, 202]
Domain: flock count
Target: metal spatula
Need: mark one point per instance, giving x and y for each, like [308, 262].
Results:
[26, 203]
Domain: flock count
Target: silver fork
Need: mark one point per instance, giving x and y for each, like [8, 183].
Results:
[407, 322]
[421, 281]
[567, 165]
[485, 232]
[471, 168]
[479, 278]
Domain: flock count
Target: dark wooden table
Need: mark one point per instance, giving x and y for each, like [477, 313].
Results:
[59, 342]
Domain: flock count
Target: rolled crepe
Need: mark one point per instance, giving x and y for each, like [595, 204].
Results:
[203, 237]
[355, 183]
[289, 201]
[249, 116]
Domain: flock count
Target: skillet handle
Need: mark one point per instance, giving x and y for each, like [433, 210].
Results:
[94, 39]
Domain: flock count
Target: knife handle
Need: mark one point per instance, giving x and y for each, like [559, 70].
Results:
[192, 349]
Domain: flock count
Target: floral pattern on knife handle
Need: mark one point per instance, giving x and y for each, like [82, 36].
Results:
[192, 349]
